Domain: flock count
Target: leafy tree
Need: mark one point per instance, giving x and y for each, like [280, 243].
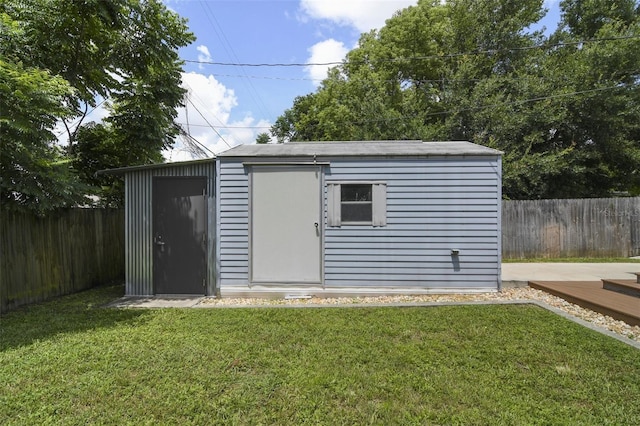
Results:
[294, 124]
[121, 50]
[34, 172]
[585, 18]
[564, 109]
[263, 138]
[100, 148]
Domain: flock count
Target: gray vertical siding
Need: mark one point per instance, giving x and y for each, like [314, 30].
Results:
[139, 224]
[433, 205]
[233, 212]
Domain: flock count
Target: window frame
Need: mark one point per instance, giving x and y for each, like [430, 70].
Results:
[344, 203]
[378, 203]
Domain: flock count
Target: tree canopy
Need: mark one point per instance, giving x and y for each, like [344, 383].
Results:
[564, 107]
[58, 61]
[262, 138]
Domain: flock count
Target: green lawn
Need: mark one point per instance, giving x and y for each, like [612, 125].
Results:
[70, 362]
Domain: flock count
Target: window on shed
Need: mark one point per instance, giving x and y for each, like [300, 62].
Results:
[357, 204]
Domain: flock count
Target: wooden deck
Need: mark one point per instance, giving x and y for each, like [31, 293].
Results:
[628, 287]
[592, 295]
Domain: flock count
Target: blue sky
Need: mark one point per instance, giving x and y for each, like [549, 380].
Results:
[230, 105]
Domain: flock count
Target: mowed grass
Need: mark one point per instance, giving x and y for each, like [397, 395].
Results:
[71, 362]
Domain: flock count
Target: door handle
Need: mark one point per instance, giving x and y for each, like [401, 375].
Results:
[316, 225]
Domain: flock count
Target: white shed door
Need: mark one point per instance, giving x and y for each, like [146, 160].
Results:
[285, 224]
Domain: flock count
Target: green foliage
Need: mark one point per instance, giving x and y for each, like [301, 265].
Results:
[585, 18]
[123, 50]
[100, 148]
[504, 364]
[564, 109]
[263, 138]
[34, 173]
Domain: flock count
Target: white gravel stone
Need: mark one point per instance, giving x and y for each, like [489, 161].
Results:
[509, 294]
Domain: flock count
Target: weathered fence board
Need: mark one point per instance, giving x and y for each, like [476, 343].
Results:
[598, 227]
[59, 254]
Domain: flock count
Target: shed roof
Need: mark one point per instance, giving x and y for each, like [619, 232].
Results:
[360, 148]
[127, 169]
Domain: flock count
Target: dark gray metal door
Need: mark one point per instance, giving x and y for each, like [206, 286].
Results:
[179, 235]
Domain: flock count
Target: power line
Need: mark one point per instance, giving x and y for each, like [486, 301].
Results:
[207, 121]
[227, 127]
[231, 52]
[420, 80]
[481, 107]
[222, 125]
[193, 93]
[265, 77]
[524, 101]
[199, 145]
[417, 58]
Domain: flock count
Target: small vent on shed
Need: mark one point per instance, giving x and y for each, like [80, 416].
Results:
[297, 296]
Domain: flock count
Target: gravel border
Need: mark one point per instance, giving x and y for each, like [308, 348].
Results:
[618, 329]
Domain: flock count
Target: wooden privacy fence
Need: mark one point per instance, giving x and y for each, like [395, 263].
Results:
[598, 227]
[59, 254]
[79, 248]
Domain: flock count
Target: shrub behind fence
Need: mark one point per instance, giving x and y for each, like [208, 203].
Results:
[68, 251]
[598, 227]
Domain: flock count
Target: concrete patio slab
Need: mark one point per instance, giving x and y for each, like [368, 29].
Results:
[519, 274]
[155, 302]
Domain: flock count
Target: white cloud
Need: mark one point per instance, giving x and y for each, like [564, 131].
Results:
[209, 107]
[327, 51]
[204, 55]
[363, 15]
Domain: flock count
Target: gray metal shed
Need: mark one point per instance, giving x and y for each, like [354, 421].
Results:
[170, 228]
[337, 218]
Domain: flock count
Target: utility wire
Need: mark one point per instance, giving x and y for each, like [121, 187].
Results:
[524, 101]
[227, 127]
[420, 80]
[231, 52]
[207, 121]
[198, 144]
[222, 125]
[426, 57]
[481, 107]
[203, 104]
